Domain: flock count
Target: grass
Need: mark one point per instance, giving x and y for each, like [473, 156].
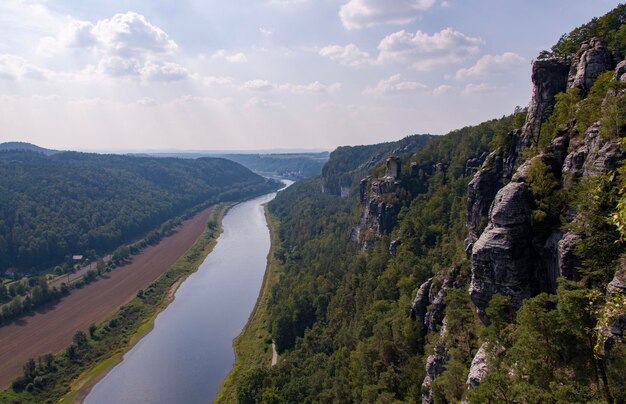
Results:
[253, 347]
[71, 380]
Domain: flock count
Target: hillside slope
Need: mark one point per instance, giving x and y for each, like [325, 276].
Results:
[76, 203]
[489, 268]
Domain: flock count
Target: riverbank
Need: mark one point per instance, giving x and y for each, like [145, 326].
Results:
[253, 347]
[94, 355]
[82, 386]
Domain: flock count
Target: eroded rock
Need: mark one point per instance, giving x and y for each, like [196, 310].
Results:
[549, 77]
[592, 60]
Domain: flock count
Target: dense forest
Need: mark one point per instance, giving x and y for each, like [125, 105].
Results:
[52, 207]
[428, 312]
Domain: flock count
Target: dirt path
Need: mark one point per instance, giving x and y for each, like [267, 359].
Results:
[52, 328]
[274, 354]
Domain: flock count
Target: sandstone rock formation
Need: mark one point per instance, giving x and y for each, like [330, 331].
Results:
[479, 367]
[379, 206]
[549, 78]
[592, 60]
[502, 256]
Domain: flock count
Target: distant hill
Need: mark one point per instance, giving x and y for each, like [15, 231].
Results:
[72, 203]
[23, 146]
[292, 166]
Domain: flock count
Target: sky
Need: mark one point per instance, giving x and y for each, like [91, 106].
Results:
[266, 74]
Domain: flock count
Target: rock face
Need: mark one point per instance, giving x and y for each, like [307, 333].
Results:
[393, 168]
[620, 71]
[421, 302]
[429, 307]
[501, 258]
[549, 78]
[479, 367]
[615, 329]
[435, 364]
[497, 168]
[593, 156]
[379, 210]
[593, 59]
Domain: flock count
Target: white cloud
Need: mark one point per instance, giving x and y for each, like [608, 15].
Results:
[15, 68]
[311, 88]
[259, 85]
[441, 90]
[394, 85]
[130, 34]
[490, 65]
[265, 31]
[164, 72]
[357, 14]
[481, 88]
[424, 51]
[349, 55]
[235, 58]
[218, 81]
[257, 102]
[125, 45]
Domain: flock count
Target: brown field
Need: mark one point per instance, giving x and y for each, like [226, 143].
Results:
[51, 329]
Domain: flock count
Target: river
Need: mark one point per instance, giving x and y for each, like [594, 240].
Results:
[189, 352]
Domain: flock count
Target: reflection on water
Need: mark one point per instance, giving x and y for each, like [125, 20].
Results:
[189, 352]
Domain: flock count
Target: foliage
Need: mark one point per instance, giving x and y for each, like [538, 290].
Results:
[69, 203]
[48, 378]
[610, 28]
[339, 318]
[564, 111]
[349, 164]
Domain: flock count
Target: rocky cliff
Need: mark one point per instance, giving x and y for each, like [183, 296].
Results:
[510, 253]
[380, 205]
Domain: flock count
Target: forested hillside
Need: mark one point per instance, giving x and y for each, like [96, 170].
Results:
[501, 278]
[75, 203]
[293, 166]
[348, 164]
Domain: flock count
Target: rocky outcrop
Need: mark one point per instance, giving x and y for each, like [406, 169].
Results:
[568, 262]
[481, 191]
[435, 364]
[592, 60]
[549, 77]
[393, 168]
[429, 305]
[421, 302]
[613, 328]
[593, 155]
[620, 71]
[434, 317]
[502, 256]
[379, 210]
[393, 247]
[473, 165]
[479, 367]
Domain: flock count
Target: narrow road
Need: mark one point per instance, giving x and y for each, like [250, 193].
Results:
[52, 327]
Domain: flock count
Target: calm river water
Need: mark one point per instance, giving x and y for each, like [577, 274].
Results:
[189, 352]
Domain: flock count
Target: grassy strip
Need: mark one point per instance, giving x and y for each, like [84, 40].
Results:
[70, 374]
[253, 347]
